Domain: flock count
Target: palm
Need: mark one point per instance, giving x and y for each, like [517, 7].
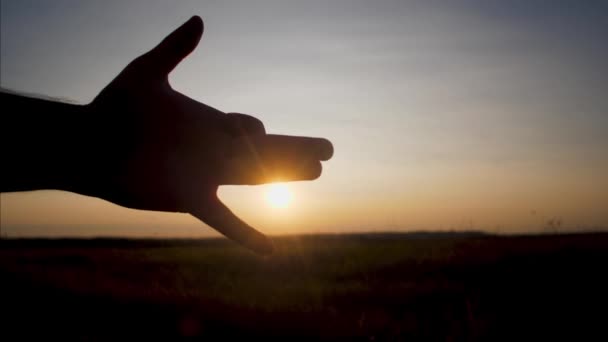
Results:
[173, 152]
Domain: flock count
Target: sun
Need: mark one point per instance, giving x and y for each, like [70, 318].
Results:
[278, 195]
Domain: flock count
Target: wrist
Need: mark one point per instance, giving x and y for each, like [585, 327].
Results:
[38, 142]
[63, 156]
[73, 147]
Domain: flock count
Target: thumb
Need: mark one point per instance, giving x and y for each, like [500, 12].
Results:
[218, 216]
[175, 47]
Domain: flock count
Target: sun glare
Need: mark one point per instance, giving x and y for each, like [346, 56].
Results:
[278, 195]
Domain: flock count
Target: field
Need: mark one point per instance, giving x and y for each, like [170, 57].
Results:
[438, 287]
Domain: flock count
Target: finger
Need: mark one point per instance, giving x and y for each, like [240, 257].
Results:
[242, 124]
[285, 146]
[254, 170]
[174, 48]
[219, 217]
[270, 158]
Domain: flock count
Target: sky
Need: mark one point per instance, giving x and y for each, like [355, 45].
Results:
[444, 115]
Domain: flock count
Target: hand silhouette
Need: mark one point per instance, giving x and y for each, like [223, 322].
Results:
[164, 151]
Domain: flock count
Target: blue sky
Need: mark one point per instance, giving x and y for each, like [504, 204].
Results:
[444, 114]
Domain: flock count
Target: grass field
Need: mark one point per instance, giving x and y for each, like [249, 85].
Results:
[444, 287]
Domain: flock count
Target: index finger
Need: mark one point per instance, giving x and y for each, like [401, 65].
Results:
[265, 158]
[289, 146]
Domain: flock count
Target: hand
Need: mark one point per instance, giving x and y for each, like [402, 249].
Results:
[160, 150]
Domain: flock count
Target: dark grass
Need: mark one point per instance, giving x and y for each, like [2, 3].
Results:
[421, 286]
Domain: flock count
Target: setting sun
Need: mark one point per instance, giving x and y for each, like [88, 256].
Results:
[278, 195]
